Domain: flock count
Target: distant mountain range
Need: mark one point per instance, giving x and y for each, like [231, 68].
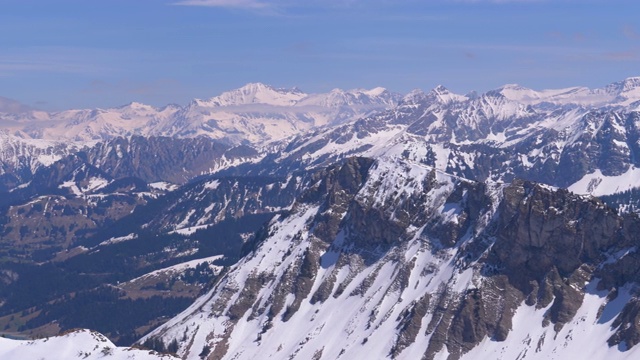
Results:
[254, 113]
[268, 222]
[257, 113]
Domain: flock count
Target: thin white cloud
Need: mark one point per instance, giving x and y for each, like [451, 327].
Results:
[11, 65]
[630, 55]
[238, 4]
[69, 60]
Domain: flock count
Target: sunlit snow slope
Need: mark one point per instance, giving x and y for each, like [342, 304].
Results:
[395, 259]
[80, 344]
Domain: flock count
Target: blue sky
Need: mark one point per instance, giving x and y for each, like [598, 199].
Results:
[59, 54]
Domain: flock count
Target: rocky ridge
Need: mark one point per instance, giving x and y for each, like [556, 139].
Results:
[421, 265]
[437, 244]
[489, 137]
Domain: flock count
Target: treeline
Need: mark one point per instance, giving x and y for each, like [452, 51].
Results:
[625, 201]
[157, 344]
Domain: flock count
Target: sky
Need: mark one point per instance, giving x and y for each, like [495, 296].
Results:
[62, 54]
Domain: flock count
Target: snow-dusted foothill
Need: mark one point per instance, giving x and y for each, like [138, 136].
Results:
[77, 344]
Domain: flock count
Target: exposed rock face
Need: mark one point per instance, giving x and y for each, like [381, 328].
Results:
[496, 135]
[20, 158]
[539, 231]
[164, 158]
[429, 263]
[211, 201]
[485, 138]
[152, 159]
[627, 325]
[422, 253]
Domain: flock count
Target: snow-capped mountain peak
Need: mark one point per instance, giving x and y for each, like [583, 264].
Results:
[414, 97]
[622, 93]
[257, 93]
[377, 91]
[419, 248]
[518, 93]
[137, 106]
[626, 91]
[134, 109]
[337, 98]
[626, 85]
[259, 113]
[442, 95]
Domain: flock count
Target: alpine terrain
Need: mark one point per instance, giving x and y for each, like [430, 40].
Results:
[271, 223]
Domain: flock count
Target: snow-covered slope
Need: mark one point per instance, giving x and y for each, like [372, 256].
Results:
[434, 249]
[338, 98]
[254, 113]
[19, 158]
[13, 150]
[397, 259]
[589, 150]
[546, 129]
[258, 113]
[255, 93]
[80, 344]
[618, 94]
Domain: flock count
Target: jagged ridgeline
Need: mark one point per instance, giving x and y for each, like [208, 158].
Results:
[394, 258]
[386, 225]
